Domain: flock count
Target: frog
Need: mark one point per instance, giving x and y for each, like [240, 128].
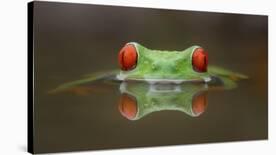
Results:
[139, 63]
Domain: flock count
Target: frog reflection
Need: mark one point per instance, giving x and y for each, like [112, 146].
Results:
[140, 99]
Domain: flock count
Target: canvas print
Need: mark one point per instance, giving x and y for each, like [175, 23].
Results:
[108, 77]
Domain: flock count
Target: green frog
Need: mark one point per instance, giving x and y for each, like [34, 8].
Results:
[138, 63]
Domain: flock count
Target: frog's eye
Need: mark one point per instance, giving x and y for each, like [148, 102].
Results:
[128, 106]
[199, 104]
[200, 60]
[127, 57]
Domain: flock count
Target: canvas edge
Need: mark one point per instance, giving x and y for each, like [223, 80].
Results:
[30, 78]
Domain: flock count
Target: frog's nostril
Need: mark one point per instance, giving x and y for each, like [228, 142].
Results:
[128, 106]
[200, 60]
[127, 57]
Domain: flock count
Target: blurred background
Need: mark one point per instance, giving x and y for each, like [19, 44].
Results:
[71, 40]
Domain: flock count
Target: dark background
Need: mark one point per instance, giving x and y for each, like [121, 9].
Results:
[71, 40]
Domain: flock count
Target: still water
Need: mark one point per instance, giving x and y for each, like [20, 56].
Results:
[73, 40]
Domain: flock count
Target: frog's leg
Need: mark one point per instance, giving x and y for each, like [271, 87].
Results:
[227, 77]
[87, 79]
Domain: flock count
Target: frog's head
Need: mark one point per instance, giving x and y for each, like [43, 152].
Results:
[139, 63]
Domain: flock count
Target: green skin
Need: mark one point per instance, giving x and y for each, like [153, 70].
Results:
[154, 66]
[160, 97]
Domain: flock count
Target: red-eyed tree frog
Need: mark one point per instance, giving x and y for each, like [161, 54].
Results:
[138, 63]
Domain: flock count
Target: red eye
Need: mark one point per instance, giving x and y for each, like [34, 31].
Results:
[127, 57]
[199, 104]
[200, 60]
[128, 106]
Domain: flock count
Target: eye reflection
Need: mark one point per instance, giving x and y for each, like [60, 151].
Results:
[141, 99]
[199, 103]
[128, 106]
